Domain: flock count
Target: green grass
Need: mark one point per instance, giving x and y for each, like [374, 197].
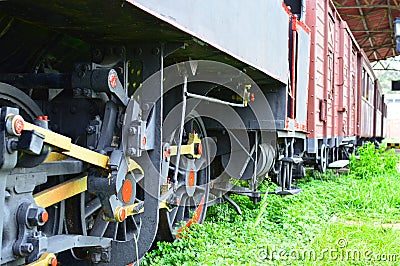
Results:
[357, 244]
[331, 208]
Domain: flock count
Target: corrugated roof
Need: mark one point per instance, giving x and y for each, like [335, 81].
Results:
[371, 22]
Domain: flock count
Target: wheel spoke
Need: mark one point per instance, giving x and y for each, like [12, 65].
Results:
[121, 233]
[200, 189]
[92, 206]
[112, 230]
[173, 213]
[131, 228]
[197, 198]
[187, 207]
[100, 226]
[62, 217]
[180, 213]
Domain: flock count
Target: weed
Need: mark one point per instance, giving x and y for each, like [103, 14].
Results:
[370, 162]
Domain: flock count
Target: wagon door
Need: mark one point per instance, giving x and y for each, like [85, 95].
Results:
[330, 76]
[344, 82]
[352, 100]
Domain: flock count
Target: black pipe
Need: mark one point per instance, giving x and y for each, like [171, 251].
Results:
[37, 81]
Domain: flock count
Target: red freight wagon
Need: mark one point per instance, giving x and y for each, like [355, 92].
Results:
[378, 111]
[333, 86]
[372, 112]
[366, 101]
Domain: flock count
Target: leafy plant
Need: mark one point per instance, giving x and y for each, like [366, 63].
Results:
[371, 162]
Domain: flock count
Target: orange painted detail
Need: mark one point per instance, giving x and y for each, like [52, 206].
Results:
[296, 124]
[200, 149]
[191, 178]
[252, 97]
[18, 126]
[127, 191]
[44, 217]
[197, 213]
[195, 219]
[167, 153]
[113, 80]
[42, 117]
[144, 141]
[294, 22]
[122, 214]
[303, 26]
[54, 262]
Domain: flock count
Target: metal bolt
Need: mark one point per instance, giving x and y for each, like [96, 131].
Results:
[27, 248]
[36, 216]
[97, 55]
[96, 257]
[131, 151]
[132, 131]
[12, 145]
[174, 201]
[73, 109]
[90, 129]
[86, 92]
[138, 51]
[54, 127]
[76, 92]
[104, 256]
[156, 51]
[146, 107]
[33, 217]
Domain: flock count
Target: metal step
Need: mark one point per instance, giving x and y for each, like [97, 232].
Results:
[339, 164]
[283, 192]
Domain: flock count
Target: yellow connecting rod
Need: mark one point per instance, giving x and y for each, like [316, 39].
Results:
[69, 149]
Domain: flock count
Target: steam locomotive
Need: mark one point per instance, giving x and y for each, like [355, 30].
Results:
[122, 121]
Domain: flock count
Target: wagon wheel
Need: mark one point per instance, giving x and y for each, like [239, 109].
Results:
[188, 203]
[323, 159]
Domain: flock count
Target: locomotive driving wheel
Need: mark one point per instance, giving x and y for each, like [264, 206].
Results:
[11, 96]
[84, 216]
[187, 203]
